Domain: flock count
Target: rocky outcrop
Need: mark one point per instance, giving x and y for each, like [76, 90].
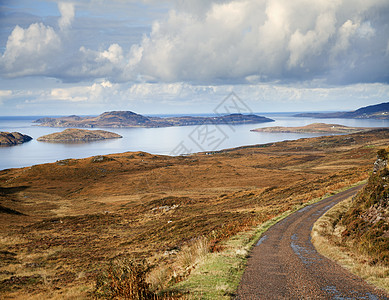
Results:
[381, 162]
[13, 138]
[78, 135]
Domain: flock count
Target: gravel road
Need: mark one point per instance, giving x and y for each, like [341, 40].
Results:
[285, 265]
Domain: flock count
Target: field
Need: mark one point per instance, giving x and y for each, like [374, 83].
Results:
[63, 223]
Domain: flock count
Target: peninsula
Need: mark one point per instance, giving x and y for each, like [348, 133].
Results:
[118, 119]
[378, 111]
[314, 128]
[78, 135]
[13, 138]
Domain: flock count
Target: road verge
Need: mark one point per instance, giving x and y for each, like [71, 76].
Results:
[327, 241]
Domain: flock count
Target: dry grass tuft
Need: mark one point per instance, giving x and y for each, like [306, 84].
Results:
[193, 253]
[124, 279]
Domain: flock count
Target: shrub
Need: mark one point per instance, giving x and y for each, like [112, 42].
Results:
[124, 279]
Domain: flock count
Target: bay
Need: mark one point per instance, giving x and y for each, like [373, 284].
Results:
[165, 141]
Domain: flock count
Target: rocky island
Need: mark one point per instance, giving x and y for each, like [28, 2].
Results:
[78, 135]
[13, 138]
[314, 128]
[378, 111]
[118, 119]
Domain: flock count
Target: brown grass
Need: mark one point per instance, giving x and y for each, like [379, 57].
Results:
[78, 215]
[124, 279]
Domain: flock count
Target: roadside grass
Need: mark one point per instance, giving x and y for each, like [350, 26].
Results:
[218, 275]
[326, 237]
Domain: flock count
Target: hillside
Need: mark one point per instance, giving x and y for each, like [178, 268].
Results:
[116, 119]
[61, 224]
[13, 138]
[78, 135]
[355, 232]
[313, 128]
[378, 111]
[366, 223]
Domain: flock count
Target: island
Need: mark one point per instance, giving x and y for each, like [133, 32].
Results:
[314, 128]
[119, 119]
[13, 138]
[378, 111]
[78, 135]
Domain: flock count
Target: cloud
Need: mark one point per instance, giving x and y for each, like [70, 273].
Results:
[181, 97]
[97, 92]
[67, 15]
[345, 32]
[214, 42]
[88, 64]
[4, 94]
[228, 41]
[38, 49]
[30, 51]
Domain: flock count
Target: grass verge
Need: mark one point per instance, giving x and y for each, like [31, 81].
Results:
[218, 275]
[326, 237]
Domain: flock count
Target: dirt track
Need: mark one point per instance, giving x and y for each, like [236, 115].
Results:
[285, 265]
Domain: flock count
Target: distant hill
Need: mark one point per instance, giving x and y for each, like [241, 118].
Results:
[13, 138]
[313, 128]
[78, 135]
[378, 111]
[130, 119]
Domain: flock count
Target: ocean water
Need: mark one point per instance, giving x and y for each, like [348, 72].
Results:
[165, 141]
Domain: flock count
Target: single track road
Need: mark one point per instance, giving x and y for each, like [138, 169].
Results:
[285, 265]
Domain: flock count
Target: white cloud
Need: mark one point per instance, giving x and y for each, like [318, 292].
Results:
[30, 51]
[38, 49]
[345, 32]
[181, 97]
[366, 31]
[67, 15]
[98, 64]
[303, 46]
[114, 54]
[92, 93]
[4, 94]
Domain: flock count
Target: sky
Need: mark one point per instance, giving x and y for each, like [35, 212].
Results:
[187, 56]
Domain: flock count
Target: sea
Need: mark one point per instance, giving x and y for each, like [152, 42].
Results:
[182, 140]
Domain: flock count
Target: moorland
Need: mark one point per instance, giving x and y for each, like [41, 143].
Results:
[62, 223]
